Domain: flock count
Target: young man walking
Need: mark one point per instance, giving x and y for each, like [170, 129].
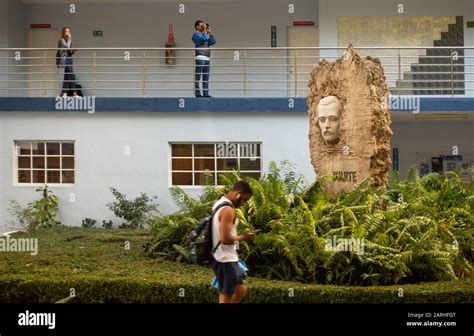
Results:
[202, 38]
[224, 238]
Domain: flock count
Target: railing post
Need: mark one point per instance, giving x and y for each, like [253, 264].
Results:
[144, 75]
[44, 74]
[452, 75]
[94, 72]
[296, 75]
[245, 74]
[193, 65]
[399, 66]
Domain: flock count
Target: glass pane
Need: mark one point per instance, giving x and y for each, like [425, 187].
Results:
[204, 150]
[53, 176]
[182, 164]
[181, 150]
[38, 176]
[68, 162]
[24, 147]
[24, 162]
[204, 164]
[52, 148]
[53, 162]
[249, 150]
[182, 179]
[230, 149]
[227, 164]
[68, 148]
[38, 162]
[68, 177]
[38, 148]
[204, 179]
[252, 175]
[24, 176]
[249, 164]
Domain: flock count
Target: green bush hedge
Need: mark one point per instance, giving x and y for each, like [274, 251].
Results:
[124, 290]
[95, 263]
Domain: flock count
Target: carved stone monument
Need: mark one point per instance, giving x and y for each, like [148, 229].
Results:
[350, 126]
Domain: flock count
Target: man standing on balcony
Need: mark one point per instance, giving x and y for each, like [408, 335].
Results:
[202, 38]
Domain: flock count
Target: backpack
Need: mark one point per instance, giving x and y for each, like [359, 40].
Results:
[200, 244]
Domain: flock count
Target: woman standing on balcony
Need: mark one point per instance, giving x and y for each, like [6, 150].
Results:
[65, 42]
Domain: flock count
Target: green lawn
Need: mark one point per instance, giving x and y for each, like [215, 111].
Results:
[97, 265]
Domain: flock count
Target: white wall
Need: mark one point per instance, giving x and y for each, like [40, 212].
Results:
[101, 163]
[329, 10]
[235, 24]
[101, 138]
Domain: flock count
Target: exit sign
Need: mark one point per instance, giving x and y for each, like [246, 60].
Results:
[470, 24]
[97, 33]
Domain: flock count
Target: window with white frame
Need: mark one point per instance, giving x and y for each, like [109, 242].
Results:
[44, 162]
[198, 164]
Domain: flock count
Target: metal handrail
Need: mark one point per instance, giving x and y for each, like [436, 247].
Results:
[253, 48]
[279, 70]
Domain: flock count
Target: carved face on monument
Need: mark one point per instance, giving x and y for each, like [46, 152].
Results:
[329, 117]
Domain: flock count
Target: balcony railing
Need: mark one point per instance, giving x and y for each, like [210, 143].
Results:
[235, 72]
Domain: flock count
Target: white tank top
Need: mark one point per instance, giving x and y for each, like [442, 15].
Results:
[224, 253]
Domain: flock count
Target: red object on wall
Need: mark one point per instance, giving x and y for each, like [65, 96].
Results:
[169, 53]
[303, 23]
[170, 34]
[40, 25]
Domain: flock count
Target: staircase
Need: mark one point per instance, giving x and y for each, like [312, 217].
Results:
[434, 73]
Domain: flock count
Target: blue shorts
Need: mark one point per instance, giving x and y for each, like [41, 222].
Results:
[228, 276]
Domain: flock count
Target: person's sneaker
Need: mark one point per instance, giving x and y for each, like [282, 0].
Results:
[207, 96]
[198, 96]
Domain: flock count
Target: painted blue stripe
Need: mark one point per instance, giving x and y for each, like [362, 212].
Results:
[447, 104]
[33, 104]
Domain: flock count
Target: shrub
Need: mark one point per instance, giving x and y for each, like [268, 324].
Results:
[170, 232]
[94, 263]
[416, 230]
[107, 225]
[88, 223]
[24, 216]
[136, 212]
[95, 289]
[40, 213]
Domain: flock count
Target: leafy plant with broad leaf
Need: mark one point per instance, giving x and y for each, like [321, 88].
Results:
[136, 212]
[41, 213]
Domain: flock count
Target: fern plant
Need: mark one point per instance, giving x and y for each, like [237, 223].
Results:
[415, 230]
